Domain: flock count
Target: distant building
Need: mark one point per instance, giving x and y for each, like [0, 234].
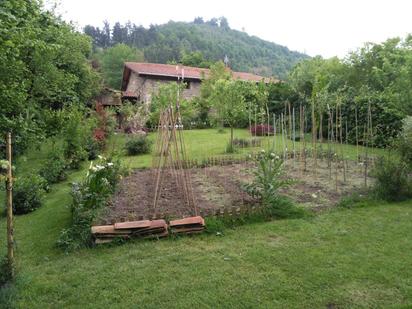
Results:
[140, 80]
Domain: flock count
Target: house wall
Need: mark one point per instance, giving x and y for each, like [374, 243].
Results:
[144, 87]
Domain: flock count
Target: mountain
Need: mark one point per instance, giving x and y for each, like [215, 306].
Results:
[170, 42]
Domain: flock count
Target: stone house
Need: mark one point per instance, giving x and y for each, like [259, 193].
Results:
[140, 80]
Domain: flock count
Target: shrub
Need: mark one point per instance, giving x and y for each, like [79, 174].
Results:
[53, 170]
[261, 130]
[5, 271]
[393, 182]
[75, 135]
[137, 145]
[404, 141]
[230, 148]
[89, 196]
[243, 142]
[27, 193]
[268, 178]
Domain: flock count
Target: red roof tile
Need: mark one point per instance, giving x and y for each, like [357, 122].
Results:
[171, 70]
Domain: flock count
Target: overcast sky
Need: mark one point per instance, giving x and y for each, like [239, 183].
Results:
[317, 27]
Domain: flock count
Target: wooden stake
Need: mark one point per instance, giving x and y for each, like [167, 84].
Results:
[9, 187]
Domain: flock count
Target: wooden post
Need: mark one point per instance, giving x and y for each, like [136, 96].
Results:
[9, 187]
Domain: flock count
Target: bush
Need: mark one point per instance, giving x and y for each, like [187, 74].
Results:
[261, 130]
[243, 142]
[393, 182]
[27, 193]
[230, 148]
[404, 141]
[89, 196]
[5, 271]
[75, 137]
[53, 170]
[137, 145]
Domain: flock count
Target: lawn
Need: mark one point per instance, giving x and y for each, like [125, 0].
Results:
[341, 258]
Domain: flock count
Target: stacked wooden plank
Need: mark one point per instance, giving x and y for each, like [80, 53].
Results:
[189, 225]
[125, 230]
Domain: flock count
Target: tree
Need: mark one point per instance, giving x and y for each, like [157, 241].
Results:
[113, 60]
[195, 59]
[44, 66]
[228, 104]
[198, 20]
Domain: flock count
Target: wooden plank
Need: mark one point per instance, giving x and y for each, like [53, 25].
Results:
[108, 229]
[189, 229]
[132, 225]
[188, 221]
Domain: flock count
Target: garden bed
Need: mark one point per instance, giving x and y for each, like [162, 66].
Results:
[220, 187]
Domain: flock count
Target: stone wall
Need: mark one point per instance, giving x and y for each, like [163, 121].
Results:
[144, 87]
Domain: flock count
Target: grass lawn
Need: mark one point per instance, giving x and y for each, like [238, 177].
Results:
[343, 258]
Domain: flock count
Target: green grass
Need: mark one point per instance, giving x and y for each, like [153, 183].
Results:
[347, 258]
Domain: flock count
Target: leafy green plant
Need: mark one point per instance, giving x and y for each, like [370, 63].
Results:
[404, 141]
[54, 169]
[268, 178]
[393, 180]
[5, 271]
[89, 196]
[244, 142]
[75, 135]
[28, 192]
[138, 145]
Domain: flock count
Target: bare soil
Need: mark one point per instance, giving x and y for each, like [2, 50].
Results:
[217, 187]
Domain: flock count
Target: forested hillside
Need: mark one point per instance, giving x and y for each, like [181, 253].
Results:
[214, 39]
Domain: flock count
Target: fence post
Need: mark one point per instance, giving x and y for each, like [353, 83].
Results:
[9, 187]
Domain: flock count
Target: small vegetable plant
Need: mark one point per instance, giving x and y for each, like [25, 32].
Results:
[268, 178]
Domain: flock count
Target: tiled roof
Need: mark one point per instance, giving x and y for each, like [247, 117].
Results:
[171, 70]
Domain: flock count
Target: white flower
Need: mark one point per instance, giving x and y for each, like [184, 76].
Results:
[110, 164]
[100, 157]
[99, 168]
[314, 195]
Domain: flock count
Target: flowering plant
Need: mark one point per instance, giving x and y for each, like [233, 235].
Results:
[89, 196]
[268, 177]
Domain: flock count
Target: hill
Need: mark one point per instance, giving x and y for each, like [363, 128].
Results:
[214, 39]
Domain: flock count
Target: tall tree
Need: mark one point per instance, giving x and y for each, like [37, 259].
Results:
[112, 62]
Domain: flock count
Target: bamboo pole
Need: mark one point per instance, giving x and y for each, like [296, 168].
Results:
[294, 136]
[341, 142]
[314, 139]
[356, 133]
[274, 133]
[329, 141]
[9, 187]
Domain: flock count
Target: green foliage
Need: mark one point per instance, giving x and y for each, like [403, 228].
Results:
[43, 65]
[137, 145]
[404, 141]
[392, 179]
[5, 271]
[247, 142]
[89, 197]
[112, 62]
[75, 138]
[228, 104]
[269, 178]
[375, 75]
[167, 95]
[28, 192]
[200, 44]
[195, 59]
[54, 169]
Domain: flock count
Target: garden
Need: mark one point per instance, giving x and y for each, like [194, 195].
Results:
[289, 194]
